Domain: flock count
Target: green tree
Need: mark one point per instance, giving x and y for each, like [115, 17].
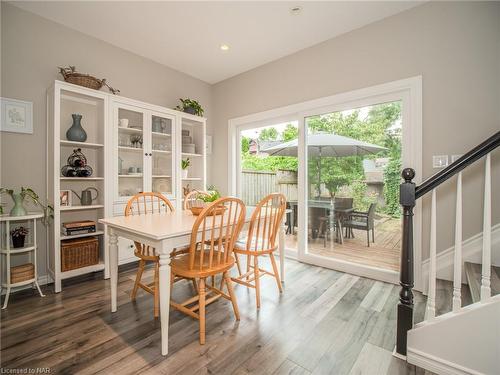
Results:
[268, 134]
[290, 133]
[245, 144]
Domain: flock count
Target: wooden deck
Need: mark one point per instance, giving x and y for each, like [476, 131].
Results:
[384, 253]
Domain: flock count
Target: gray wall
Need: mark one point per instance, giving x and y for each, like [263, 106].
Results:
[455, 46]
[32, 49]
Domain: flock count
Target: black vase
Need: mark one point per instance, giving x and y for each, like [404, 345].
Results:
[18, 241]
[76, 132]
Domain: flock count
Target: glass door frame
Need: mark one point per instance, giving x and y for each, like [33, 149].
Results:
[409, 92]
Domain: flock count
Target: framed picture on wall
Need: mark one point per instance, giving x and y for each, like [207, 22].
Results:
[17, 116]
[65, 198]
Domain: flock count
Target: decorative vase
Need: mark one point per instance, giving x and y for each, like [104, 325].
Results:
[190, 110]
[76, 132]
[18, 209]
[18, 241]
[184, 173]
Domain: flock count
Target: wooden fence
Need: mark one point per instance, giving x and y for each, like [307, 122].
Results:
[255, 185]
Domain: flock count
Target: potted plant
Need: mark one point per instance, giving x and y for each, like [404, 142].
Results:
[190, 106]
[18, 236]
[27, 193]
[185, 165]
[210, 196]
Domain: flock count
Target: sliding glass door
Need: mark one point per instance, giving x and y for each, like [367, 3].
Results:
[350, 163]
[338, 161]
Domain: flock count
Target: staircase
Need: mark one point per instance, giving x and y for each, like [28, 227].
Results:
[460, 333]
[473, 275]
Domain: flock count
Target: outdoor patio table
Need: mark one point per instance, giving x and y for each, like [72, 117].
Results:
[339, 213]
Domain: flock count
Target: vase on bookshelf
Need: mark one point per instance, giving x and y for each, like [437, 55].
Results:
[76, 132]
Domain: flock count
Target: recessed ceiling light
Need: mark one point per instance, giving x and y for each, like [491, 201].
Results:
[295, 10]
[224, 47]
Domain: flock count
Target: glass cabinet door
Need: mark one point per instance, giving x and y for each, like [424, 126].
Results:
[131, 150]
[162, 167]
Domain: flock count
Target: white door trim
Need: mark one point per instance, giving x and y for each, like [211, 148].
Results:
[408, 90]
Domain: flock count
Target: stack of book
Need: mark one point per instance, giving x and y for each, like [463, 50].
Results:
[78, 227]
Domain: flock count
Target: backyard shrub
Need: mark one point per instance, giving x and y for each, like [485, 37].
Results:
[362, 199]
[391, 187]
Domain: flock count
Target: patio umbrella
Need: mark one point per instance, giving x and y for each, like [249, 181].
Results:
[325, 144]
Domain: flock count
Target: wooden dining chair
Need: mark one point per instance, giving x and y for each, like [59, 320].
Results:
[261, 240]
[144, 204]
[192, 199]
[210, 254]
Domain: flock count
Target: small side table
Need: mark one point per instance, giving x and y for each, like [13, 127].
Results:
[7, 251]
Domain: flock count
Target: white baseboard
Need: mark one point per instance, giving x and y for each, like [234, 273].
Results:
[436, 365]
[471, 252]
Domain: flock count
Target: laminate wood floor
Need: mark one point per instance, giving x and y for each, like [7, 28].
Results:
[325, 322]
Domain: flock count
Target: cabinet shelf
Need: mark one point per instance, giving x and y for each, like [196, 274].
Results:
[78, 208]
[96, 233]
[191, 155]
[161, 176]
[82, 178]
[162, 152]
[130, 175]
[158, 134]
[82, 271]
[126, 148]
[129, 130]
[192, 179]
[82, 144]
[18, 250]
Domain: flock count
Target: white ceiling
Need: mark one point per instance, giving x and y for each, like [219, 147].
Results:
[187, 36]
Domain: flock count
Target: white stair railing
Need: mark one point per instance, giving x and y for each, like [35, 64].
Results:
[431, 296]
[457, 268]
[486, 271]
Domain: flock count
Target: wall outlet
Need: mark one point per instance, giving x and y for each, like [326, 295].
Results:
[439, 161]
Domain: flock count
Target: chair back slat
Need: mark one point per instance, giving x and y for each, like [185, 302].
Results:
[192, 199]
[265, 223]
[147, 203]
[214, 235]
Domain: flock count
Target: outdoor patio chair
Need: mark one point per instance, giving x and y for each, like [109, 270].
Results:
[362, 221]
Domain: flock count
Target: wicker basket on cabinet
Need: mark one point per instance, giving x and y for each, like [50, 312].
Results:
[79, 252]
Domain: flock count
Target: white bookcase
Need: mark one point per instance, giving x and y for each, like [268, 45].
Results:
[145, 155]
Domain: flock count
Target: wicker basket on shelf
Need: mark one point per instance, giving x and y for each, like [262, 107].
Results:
[22, 273]
[86, 80]
[79, 252]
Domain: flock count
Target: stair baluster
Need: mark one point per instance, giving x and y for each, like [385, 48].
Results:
[486, 272]
[457, 272]
[431, 296]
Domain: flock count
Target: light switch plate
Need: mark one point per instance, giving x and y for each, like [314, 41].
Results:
[439, 161]
[454, 158]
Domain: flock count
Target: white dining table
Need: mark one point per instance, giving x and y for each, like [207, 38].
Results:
[164, 232]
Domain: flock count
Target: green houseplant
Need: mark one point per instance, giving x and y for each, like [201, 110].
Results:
[19, 197]
[211, 196]
[184, 166]
[18, 236]
[190, 106]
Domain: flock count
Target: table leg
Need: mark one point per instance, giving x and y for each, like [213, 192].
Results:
[113, 265]
[164, 300]
[281, 248]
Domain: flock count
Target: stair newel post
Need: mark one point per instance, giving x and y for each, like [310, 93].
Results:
[405, 306]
